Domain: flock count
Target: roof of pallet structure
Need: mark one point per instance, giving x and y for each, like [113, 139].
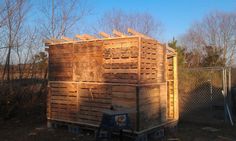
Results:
[104, 36]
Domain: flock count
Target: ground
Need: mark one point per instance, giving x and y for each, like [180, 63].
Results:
[31, 126]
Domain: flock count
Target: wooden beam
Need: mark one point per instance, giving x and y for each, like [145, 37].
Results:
[118, 33]
[89, 37]
[176, 94]
[54, 40]
[81, 37]
[133, 32]
[170, 49]
[105, 35]
[170, 55]
[47, 42]
[67, 39]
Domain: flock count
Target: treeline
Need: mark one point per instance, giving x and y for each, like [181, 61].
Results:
[210, 42]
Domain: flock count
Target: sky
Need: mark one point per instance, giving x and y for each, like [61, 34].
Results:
[176, 16]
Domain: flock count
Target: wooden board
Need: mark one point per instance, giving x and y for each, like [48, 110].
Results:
[60, 64]
[152, 62]
[105, 61]
[63, 101]
[150, 106]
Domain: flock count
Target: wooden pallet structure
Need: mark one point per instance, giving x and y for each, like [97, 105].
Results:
[131, 72]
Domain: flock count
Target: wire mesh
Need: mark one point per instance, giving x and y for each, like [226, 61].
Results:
[200, 95]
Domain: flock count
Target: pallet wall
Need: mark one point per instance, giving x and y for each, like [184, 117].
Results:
[172, 90]
[131, 74]
[149, 106]
[61, 62]
[113, 61]
[152, 62]
[62, 101]
[88, 62]
[121, 60]
[85, 103]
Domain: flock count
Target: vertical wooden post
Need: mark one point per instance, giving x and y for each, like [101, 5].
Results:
[176, 99]
[49, 115]
[138, 86]
[163, 89]
[163, 102]
[73, 63]
[139, 59]
[77, 101]
[137, 109]
[165, 63]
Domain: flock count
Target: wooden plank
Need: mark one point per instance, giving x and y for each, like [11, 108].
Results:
[124, 103]
[52, 41]
[72, 99]
[123, 89]
[81, 37]
[49, 103]
[93, 104]
[97, 109]
[91, 100]
[163, 102]
[89, 37]
[123, 95]
[62, 93]
[176, 101]
[120, 60]
[68, 39]
[85, 112]
[65, 111]
[113, 80]
[133, 32]
[105, 35]
[154, 108]
[150, 101]
[118, 33]
[90, 117]
[63, 85]
[69, 88]
[63, 101]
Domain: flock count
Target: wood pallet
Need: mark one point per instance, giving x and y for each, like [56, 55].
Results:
[134, 73]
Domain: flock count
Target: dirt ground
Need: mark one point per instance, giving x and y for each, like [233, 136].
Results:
[32, 127]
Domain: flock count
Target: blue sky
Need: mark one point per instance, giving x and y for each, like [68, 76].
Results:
[175, 15]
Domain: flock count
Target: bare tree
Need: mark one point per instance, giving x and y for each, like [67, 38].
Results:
[217, 29]
[61, 16]
[142, 22]
[26, 47]
[14, 13]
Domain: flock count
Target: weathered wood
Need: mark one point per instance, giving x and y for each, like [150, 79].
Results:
[176, 101]
[135, 73]
[81, 37]
[105, 35]
[89, 37]
[149, 105]
[118, 33]
[133, 32]
[68, 39]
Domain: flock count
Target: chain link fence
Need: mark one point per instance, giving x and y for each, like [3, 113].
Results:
[200, 94]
